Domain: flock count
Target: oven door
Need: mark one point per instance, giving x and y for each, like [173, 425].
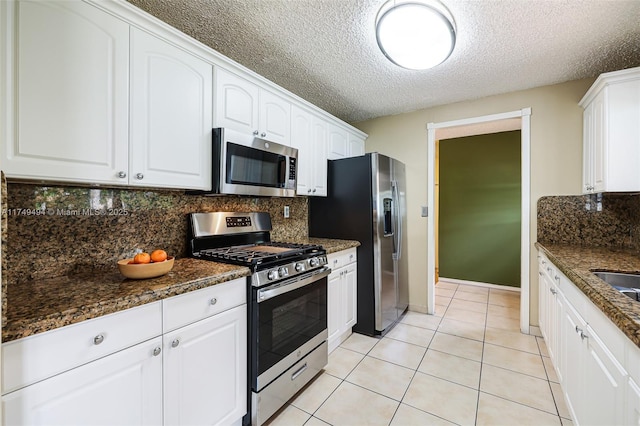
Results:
[252, 166]
[289, 320]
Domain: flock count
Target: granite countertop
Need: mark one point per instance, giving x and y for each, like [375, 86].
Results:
[36, 306]
[330, 245]
[578, 262]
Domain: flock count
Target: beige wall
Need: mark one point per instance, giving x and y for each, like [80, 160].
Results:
[556, 160]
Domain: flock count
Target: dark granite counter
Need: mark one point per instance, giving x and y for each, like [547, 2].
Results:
[330, 245]
[577, 263]
[39, 305]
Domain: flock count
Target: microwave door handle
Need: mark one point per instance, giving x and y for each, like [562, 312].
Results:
[282, 171]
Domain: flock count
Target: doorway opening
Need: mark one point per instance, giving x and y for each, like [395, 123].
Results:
[477, 209]
[496, 123]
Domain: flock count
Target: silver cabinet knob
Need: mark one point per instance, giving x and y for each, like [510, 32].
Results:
[314, 190]
[98, 339]
[553, 291]
[175, 343]
[255, 132]
[213, 301]
[122, 175]
[309, 191]
[263, 134]
[157, 351]
[139, 176]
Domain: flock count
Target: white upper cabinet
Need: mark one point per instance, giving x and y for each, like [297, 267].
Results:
[611, 133]
[245, 107]
[171, 115]
[356, 145]
[275, 118]
[236, 102]
[320, 137]
[71, 92]
[309, 136]
[338, 146]
[78, 72]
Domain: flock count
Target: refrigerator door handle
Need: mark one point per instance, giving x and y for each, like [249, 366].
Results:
[397, 238]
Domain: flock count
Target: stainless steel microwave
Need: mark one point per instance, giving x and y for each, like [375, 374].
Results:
[244, 164]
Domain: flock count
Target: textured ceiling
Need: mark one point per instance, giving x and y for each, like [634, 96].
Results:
[325, 51]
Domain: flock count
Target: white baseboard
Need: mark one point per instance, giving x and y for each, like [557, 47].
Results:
[479, 284]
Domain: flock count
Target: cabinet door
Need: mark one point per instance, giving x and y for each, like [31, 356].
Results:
[588, 140]
[121, 389]
[236, 102]
[338, 147]
[301, 124]
[633, 403]
[543, 290]
[171, 115]
[275, 118]
[356, 146]
[334, 308]
[71, 93]
[599, 161]
[572, 363]
[605, 382]
[205, 370]
[320, 139]
[350, 288]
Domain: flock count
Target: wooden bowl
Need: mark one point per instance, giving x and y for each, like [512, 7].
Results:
[141, 271]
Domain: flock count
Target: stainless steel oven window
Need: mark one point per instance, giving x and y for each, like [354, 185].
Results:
[288, 321]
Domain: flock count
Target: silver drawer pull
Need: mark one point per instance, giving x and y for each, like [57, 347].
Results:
[98, 339]
[299, 372]
[213, 301]
[175, 343]
[157, 351]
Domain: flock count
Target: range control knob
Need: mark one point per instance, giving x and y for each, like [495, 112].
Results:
[299, 267]
[272, 275]
[283, 272]
[313, 262]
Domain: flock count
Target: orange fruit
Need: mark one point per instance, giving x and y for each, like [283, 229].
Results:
[158, 256]
[142, 258]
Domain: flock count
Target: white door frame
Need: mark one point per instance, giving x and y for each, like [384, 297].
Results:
[514, 120]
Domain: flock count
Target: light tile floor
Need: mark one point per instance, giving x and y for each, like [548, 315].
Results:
[466, 365]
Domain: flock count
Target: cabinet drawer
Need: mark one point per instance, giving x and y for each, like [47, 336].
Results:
[190, 307]
[37, 357]
[342, 258]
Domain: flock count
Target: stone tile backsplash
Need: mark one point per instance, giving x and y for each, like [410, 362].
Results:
[576, 220]
[58, 230]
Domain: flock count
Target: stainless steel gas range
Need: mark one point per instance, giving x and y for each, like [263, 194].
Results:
[287, 294]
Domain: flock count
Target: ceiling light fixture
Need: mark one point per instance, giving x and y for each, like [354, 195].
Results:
[415, 34]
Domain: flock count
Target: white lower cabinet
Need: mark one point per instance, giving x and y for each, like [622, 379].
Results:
[341, 296]
[592, 356]
[121, 389]
[632, 412]
[120, 369]
[205, 370]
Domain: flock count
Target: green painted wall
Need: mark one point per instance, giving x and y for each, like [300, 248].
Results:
[479, 208]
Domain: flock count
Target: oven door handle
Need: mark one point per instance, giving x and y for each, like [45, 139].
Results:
[271, 292]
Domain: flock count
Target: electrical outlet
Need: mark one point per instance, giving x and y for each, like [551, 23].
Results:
[286, 212]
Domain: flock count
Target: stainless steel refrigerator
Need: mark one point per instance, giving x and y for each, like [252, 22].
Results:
[366, 202]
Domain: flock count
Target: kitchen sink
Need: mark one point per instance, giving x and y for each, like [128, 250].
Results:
[628, 284]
